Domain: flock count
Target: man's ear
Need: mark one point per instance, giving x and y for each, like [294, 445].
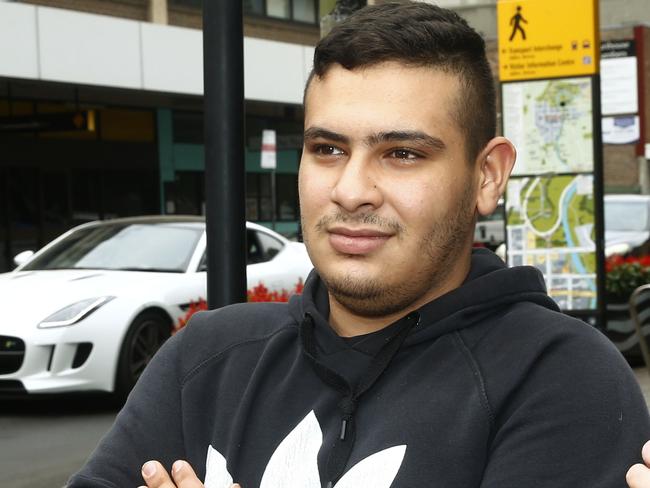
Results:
[495, 164]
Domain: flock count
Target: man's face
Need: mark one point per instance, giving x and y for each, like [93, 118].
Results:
[387, 195]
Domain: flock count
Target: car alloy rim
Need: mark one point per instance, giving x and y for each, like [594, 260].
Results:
[146, 341]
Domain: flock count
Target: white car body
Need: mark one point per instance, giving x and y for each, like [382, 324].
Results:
[627, 223]
[29, 297]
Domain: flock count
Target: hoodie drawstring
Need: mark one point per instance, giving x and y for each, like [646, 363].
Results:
[342, 448]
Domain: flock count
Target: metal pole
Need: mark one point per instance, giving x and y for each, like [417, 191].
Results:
[223, 81]
[599, 194]
[274, 200]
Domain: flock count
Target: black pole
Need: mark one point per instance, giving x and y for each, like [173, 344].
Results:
[223, 81]
[274, 199]
[599, 197]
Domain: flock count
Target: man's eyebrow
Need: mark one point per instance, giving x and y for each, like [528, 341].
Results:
[390, 136]
[406, 136]
[321, 133]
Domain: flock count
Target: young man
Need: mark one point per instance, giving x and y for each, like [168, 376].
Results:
[409, 360]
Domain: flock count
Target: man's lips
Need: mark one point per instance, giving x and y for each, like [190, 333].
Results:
[356, 241]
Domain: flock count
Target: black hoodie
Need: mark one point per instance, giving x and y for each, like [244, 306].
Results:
[487, 386]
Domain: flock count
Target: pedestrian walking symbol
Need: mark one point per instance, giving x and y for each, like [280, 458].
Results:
[515, 22]
[541, 39]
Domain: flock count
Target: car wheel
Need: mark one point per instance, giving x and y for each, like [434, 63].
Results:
[146, 334]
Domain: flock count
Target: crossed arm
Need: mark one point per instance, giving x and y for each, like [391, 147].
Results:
[638, 476]
[183, 476]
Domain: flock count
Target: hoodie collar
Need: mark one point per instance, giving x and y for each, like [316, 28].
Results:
[488, 287]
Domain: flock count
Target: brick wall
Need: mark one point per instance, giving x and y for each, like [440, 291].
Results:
[621, 170]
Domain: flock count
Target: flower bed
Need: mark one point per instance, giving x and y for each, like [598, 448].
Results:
[259, 293]
[624, 275]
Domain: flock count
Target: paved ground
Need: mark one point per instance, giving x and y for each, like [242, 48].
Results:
[43, 441]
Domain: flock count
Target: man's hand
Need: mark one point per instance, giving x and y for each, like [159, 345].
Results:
[183, 476]
[638, 476]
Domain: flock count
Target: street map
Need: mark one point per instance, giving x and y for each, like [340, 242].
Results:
[550, 123]
[550, 225]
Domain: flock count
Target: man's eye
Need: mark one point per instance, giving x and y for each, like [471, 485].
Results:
[327, 150]
[403, 154]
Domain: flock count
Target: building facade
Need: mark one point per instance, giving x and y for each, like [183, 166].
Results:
[101, 111]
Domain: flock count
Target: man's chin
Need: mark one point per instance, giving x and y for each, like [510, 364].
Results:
[365, 295]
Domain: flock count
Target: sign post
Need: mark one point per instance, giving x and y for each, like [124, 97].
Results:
[550, 95]
[269, 161]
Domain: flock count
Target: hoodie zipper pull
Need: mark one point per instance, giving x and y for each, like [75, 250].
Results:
[344, 428]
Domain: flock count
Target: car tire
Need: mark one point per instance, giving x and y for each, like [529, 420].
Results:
[146, 334]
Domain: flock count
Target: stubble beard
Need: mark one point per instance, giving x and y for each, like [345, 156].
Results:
[443, 245]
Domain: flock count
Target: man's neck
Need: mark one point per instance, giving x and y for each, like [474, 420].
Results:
[346, 323]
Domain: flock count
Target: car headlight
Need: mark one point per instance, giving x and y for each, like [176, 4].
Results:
[74, 313]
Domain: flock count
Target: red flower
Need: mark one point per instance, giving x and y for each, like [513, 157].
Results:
[613, 262]
[194, 307]
[259, 293]
[625, 274]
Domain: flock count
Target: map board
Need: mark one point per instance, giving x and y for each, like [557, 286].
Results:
[550, 225]
[550, 122]
[547, 38]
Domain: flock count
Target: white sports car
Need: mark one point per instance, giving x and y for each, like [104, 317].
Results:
[89, 310]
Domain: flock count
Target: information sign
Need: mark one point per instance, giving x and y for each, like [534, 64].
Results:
[621, 130]
[547, 38]
[618, 77]
[550, 122]
[269, 150]
[550, 225]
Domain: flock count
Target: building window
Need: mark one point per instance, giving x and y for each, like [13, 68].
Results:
[255, 7]
[287, 196]
[304, 11]
[259, 202]
[296, 10]
[278, 8]
[187, 127]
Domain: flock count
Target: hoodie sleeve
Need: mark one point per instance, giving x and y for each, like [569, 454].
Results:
[147, 427]
[571, 415]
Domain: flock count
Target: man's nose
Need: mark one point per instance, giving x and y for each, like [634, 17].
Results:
[357, 185]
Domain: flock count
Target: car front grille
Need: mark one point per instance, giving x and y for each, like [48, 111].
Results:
[12, 353]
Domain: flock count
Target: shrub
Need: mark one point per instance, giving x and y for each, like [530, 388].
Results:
[259, 293]
[625, 274]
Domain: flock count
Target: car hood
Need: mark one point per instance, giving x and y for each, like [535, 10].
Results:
[632, 238]
[30, 296]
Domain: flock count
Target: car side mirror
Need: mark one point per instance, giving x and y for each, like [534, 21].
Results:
[23, 257]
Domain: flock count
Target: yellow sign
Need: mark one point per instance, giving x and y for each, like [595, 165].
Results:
[547, 38]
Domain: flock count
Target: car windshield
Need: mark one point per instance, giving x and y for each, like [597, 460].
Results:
[626, 216]
[160, 247]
